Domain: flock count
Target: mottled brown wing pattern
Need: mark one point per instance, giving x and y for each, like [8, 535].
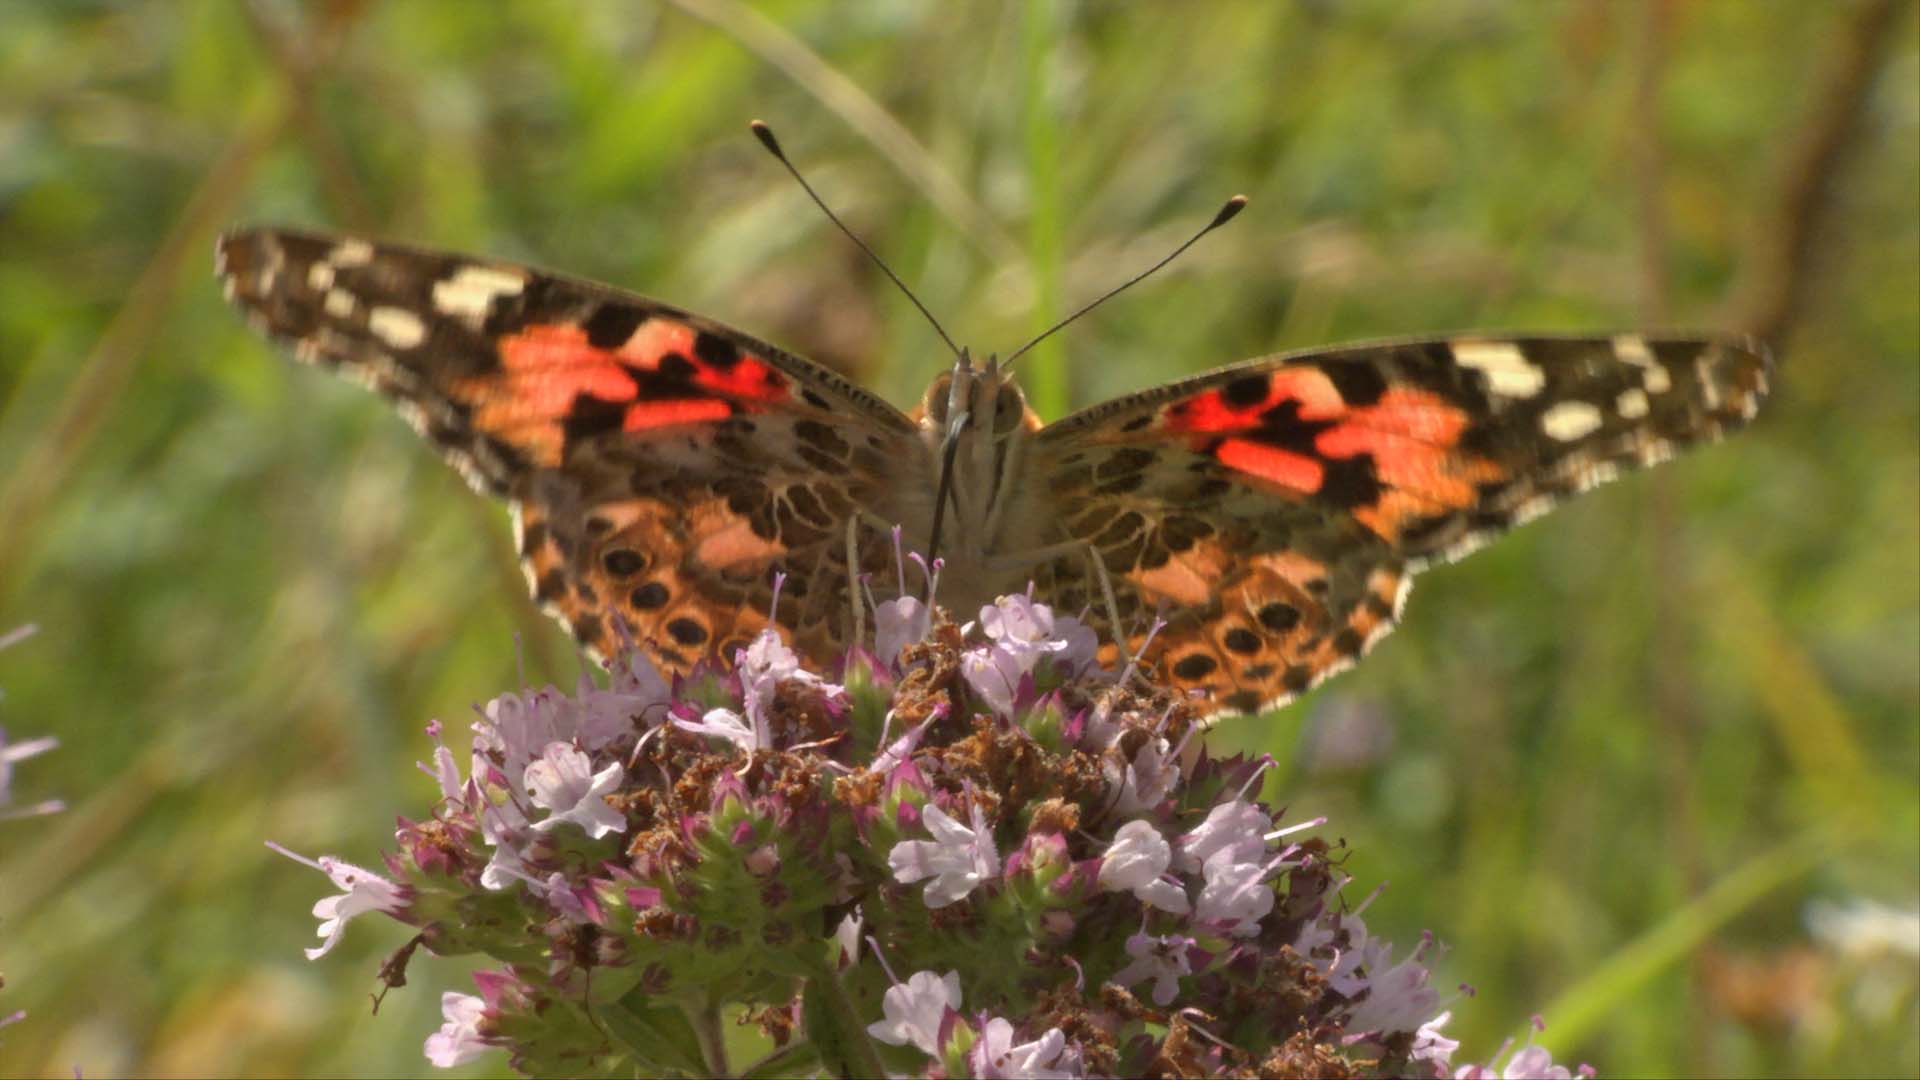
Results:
[1274, 513]
[661, 467]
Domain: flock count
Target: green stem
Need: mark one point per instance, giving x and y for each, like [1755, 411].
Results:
[713, 1044]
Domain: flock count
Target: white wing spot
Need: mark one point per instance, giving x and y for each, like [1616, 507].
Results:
[1709, 390]
[1509, 373]
[470, 291]
[1570, 420]
[1633, 349]
[1631, 404]
[398, 327]
[320, 276]
[338, 303]
[351, 253]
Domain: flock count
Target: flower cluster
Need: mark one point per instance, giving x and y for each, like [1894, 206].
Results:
[974, 851]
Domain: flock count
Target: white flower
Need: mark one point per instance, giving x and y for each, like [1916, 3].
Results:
[564, 900]
[564, 782]
[996, 1057]
[1162, 959]
[1236, 825]
[445, 771]
[1235, 895]
[847, 937]
[1017, 621]
[915, 1010]
[1140, 786]
[1136, 861]
[958, 858]
[504, 827]
[1079, 648]
[897, 624]
[728, 725]
[458, 1041]
[994, 674]
[765, 664]
[1431, 1046]
[1397, 999]
[365, 891]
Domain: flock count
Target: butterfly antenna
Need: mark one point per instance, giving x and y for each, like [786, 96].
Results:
[765, 134]
[1226, 214]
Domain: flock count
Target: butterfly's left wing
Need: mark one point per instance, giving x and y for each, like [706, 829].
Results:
[1274, 512]
[661, 466]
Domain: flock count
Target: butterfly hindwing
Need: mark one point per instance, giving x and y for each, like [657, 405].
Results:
[661, 466]
[1274, 512]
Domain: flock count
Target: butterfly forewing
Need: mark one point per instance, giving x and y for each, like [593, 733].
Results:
[1274, 512]
[661, 466]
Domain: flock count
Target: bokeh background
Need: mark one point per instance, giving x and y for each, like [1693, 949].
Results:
[1650, 766]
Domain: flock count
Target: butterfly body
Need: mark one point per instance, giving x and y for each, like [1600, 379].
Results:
[662, 467]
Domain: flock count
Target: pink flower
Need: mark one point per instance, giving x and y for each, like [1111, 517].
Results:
[731, 726]
[1236, 894]
[1235, 825]
[997, 1057]
[958, 858]
[1136, 862]
[1162, 959]
[365, 891]
[563, 781]
[916, 1010]
[897, 624]
[458, 1041]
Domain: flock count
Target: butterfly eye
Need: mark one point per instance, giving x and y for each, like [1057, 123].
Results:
[935, 403]
[1009, 409]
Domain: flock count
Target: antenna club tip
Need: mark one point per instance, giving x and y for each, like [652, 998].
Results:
[765, 134]
[1227, 212]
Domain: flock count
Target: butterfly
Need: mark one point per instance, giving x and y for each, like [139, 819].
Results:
[1247, 532]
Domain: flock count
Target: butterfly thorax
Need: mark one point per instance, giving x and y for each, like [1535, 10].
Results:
[976, 428]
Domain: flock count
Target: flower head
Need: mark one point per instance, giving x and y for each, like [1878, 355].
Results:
[690, 842]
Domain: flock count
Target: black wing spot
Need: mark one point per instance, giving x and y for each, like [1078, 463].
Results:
[623, 562]
[1195, 666]
[1244, 701]
[1359, 383]
[1350, 482]
[1279, 617]
[688, 632]
[588, 417]
[715, 351]
[1297, 678]
[649, 597]
[814, 399]
[676, 366]
[551, 586]
[612, 324]
[1246, 391]
[1241, 640]
[1347, 642]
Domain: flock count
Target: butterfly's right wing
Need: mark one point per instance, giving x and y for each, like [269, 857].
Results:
[661, 466]
[1275, 512]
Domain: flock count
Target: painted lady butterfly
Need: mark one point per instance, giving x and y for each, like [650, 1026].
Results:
[661, 467]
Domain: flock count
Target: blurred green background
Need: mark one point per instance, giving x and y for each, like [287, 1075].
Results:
[1642, 764]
